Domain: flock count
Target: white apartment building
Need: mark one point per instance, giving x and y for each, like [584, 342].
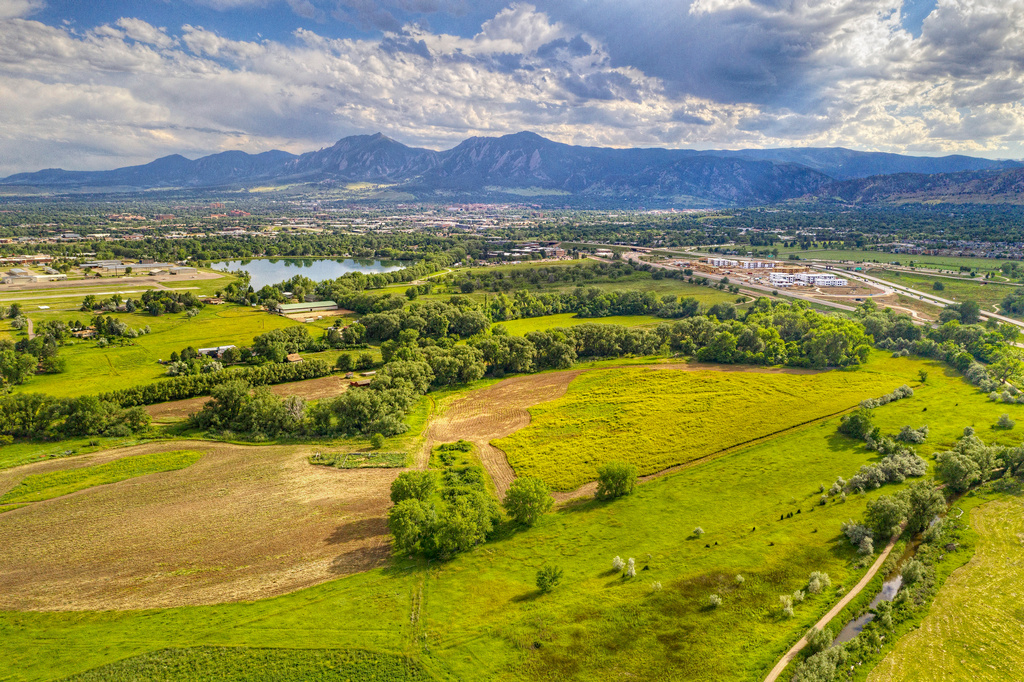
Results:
[756, 264]
[812, 279]
[723, 263]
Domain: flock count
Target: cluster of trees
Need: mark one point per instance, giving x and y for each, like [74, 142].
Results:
[235, 406]
[442, 513]
[110, 327]
[35, 415]
[970, 462]
[770, 333]
[160, 301]
[190, 386]
[898, 463]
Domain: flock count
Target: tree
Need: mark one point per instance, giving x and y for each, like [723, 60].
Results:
[527, 499]
[409, 521]
[615, 479]
[857, 424]
[819, 640]
[1005, 422]
[885, 515]
[924, 502]
[344, 362]
[413, 485]
[938, 286]
[548, 578]
[922, 375]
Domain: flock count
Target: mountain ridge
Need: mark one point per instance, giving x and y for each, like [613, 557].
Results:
[500, 167]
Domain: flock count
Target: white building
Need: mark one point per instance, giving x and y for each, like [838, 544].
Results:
[723, 263]
[756, 264]
[806, 279]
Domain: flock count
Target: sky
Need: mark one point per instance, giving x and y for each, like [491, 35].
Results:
[104, 84]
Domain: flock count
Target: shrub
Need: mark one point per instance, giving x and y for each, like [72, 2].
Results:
[913, 572]
[413, 485]
[1005, 422]
[819, 640]
[618, 564]
[631, 568]
[376, 441]
[714, 601]
[548, 578]
[787, 605]
[799, 596]
[527, 499]
[740, 580]
[818, 582]
[698, 532]
[615, 479]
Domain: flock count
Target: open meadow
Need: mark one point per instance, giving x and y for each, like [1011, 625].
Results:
[478, 616]
[986, 293]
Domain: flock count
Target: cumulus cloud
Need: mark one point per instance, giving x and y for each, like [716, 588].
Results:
[802, 72]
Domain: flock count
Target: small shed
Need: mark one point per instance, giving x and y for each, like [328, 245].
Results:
[293, 357]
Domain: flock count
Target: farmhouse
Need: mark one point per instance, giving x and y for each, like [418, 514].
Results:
[290, 308]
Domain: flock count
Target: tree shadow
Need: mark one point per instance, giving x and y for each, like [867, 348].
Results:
[526, 596]
[359, 529]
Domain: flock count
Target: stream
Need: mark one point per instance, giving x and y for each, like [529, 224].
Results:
[889, 589]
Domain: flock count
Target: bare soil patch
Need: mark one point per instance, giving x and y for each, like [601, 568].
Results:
[243, 523]
[494, 412]
[310, 389]
[302, 317]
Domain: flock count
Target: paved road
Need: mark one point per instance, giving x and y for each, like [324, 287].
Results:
[832, 613]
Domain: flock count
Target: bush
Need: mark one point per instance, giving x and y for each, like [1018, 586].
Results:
[527, 499]
[740, 580]
[818, 582]
[631, 568]
[913, 572]
[618, 564]
[413, 485]
[1005, 422]
[819, 640]
[548, 578]
[376, 441]
[698, 532]
[615, 479]
[714, 601]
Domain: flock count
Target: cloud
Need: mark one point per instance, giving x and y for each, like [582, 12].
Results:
[139, 30]
[795, 73]
[12, 9]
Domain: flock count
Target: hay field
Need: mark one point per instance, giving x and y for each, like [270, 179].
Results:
[658, 418]
[974, 628]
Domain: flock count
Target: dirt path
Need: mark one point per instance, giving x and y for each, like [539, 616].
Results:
[242, 523]
[832, 613]
[491, 413]
[30, 330]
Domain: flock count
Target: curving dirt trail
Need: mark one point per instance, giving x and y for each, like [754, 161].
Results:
[491, 413]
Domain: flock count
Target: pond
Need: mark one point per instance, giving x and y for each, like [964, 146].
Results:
[275, 270]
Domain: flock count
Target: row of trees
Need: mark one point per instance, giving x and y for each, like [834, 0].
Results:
[35, 415]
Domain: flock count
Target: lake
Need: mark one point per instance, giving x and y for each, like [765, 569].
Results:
[275, 270]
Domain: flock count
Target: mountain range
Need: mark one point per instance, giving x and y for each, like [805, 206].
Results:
[526, 165]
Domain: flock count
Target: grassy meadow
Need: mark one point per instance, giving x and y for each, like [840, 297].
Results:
[609, 415]
[987, 294]
[536, 324]
[859, 255]
[38, 487]
[479, 616]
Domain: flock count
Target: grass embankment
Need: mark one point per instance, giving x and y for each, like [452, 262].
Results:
[972, 630]
[37, 487]
[659, 418]
[243, 665]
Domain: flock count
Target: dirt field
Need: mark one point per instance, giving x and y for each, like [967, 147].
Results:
[242, 523]
[121, 282]
[302, 317]
[494, 412]
[311, 389]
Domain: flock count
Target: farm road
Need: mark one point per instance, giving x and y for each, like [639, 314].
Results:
[833, 612]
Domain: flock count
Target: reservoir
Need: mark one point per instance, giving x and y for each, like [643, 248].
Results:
[275, 270]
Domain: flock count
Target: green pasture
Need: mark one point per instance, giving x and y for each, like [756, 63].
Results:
[537, 324]
[859, 255]
[20, 453]
[92, 370]
[986, 293]
[38, 487]
[479, 617]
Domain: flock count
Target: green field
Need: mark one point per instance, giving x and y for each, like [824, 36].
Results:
[244, 664]
[939, 262]
[479, 617]
[92, 370]
[986, 294]
[609, 415]
[538, 324]
[38, 487]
